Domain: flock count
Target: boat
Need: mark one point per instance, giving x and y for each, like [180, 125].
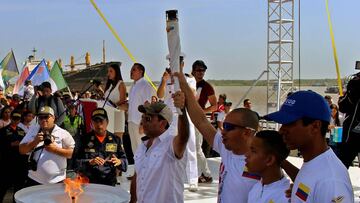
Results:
[332, 90]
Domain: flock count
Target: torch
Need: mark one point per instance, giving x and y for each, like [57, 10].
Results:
[172, 29]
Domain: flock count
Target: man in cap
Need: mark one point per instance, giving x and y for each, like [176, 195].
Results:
[14, 170]
[165, 92]
[305, 116]
[160, 160]
[239, 126]
[45, 98]
[49, 146]
[100, 152]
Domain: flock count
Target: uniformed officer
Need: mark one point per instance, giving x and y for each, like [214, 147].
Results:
[101, 152]
[14, 170]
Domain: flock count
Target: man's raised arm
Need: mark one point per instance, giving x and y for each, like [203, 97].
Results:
[195, 112]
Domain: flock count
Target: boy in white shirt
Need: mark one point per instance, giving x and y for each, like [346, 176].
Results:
[267, 151]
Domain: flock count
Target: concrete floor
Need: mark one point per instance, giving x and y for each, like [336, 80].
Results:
[207, 193]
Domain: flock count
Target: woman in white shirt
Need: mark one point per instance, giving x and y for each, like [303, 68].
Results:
[115, 93]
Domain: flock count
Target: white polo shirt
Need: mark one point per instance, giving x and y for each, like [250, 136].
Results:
[51, 168]
[271, 193]
[140, 92]
[323, 179]
[159, 174]
[235, 181]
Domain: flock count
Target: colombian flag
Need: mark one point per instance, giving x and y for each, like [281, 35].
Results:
[247, 174]
[302, 192]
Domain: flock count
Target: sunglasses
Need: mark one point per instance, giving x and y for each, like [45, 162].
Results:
[200, 70]
[229, 126]
[146, 117]
[43, 117]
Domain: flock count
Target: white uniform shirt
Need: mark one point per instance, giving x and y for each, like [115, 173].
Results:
[140, 92]
[322, 179]
[114, 96]
[51, 168]
[235, 181]
[271, 193]
[159, 174]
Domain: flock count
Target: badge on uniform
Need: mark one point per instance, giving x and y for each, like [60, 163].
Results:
[91, 144]
[90, 150]
[21, 133]
[111, 147]
[110, 138]
[92, 138]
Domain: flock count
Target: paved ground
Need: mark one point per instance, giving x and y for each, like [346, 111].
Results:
[207, 193]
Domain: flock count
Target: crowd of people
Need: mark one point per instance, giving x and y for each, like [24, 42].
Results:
[43, 137]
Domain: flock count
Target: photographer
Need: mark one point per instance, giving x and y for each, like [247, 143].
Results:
[43, 97]
[349, 104]
[49, 146]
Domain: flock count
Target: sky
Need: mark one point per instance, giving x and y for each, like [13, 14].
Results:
[229, 35]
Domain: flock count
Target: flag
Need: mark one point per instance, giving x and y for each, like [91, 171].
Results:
[40, 74]
[57, 77]
[21, 80]
[9, 68]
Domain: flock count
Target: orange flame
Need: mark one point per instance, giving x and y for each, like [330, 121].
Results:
[73, 186]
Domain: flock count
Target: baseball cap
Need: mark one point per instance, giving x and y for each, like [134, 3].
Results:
[299, 105]
[15, 114]
[157, 108]
[99, 113]
[46, 110]
[199, 63]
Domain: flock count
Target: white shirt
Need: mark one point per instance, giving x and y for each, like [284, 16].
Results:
[114, 96]
[271, 193]
[24, 127]
[159, 174]
[51, 168]
[322, 179]
[235, 181]
[140, 92]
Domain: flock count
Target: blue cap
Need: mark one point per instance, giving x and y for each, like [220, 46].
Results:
[299, 105]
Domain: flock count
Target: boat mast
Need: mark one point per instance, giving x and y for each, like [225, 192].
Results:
[103, 52]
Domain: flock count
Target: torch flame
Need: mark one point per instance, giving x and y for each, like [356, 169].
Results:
[73, 186]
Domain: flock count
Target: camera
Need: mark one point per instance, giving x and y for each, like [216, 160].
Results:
[32, 164]
[47, 137]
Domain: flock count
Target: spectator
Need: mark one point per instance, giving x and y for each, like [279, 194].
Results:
[43, 97]
[204, 92]
[49, 146]
[101, 152]
[14, 171]
[5, 116]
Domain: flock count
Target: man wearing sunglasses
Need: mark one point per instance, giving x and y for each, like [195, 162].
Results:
[160, 160]
[231, 143]
[50, 146]
[204, 93]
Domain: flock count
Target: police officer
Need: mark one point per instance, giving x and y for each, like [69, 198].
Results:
[101, 152]
[14, 170]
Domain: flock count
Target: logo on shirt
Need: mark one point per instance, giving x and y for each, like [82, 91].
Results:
[247, 174]
[338, 199]
[303, 192]
[111, 147]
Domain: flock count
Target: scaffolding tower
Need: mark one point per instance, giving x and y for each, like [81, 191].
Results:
[280, 52]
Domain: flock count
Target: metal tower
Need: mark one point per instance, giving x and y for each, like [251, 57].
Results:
[280, 52]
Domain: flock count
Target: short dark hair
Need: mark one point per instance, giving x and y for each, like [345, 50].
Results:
[140, 67]
[274, 144]
[46, 85]
[199, 63]
[223, 96]
[324, 124]
[246, 101]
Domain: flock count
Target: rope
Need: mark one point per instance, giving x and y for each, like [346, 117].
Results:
[120, 41]
[334, 48]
